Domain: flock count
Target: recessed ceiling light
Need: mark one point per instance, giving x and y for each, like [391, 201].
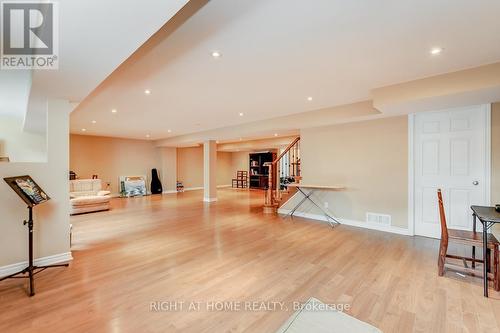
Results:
[93, 121]
[147, 92]
[84, 129]
[169, 131]
[436, 50]
[241, 114]
[217, 141]
[275, 134]
[309, 98]
[148, 136]
[216, 54]
[241, 139]
[114, 111]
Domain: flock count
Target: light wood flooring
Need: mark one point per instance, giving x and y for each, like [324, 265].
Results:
[177, 248]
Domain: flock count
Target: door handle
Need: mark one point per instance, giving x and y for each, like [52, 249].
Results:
[475, 183]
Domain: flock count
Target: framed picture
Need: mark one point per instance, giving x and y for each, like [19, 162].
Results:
[27, 189]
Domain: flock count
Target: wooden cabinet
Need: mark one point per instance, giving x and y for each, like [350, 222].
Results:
[258, 173]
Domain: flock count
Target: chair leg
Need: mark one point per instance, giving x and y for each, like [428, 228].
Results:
[443, 248]
[473, 257]
[496, 278]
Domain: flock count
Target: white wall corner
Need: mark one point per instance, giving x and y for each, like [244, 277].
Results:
[411, 175]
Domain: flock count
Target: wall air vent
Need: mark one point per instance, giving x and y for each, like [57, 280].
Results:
[375, 218]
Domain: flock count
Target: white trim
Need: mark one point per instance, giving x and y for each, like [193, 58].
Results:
[44, 261]
[193, 188]
[169, 192]
[411, 174]
[487, 162]
[359, 224]
[209, 199]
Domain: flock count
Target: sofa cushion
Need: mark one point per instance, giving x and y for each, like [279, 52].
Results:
[89, 200]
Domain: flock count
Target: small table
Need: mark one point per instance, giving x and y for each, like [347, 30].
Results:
[488, 216]
[308, 196]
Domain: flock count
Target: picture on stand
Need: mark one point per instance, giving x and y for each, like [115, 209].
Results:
[27, 189]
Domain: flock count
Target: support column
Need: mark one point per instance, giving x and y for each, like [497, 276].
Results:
[210, 171]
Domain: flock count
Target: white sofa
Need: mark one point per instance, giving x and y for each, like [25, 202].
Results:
[86, 195]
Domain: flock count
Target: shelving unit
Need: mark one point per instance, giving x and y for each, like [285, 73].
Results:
[257, 171]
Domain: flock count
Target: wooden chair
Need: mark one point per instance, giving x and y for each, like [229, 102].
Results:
[241, 179]
[468, 238]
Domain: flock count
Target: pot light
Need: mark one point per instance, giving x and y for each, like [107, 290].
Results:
[84, 129]
[241, 139]
[169, 131]
[147, 92]
[275, 134]
[436, 50]
[216, 54]
[148, 136]
[309, 98]
[241, 114]
[114, 111]
[94, 122]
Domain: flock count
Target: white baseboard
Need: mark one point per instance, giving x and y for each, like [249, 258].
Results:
[197, 188]
[44, 261]
[169, 192]
[359, 224]
[209, 199]
[193, 188]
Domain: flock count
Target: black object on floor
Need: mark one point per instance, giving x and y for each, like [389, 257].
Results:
[156, 187]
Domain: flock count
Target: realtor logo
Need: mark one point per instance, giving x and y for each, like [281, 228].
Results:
[30, 36]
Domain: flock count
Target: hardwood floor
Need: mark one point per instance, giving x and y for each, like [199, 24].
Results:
[177, 248]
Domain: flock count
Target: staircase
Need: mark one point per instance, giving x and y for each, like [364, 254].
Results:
[282, 171]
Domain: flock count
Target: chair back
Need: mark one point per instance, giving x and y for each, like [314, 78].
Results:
[442, 216]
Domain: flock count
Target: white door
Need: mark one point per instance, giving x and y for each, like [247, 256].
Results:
[450, 154]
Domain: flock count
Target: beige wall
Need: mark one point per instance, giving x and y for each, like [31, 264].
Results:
[168, 172]
[240, 161]
[111, 158]
[370, 158]
[224, 168]
[190, 167]
[51, 218]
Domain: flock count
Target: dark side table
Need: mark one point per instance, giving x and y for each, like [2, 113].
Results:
[488, 216]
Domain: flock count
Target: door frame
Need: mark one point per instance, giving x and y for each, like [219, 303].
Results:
[411, 164]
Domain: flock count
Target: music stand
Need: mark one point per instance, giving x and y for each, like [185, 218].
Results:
[32, 195]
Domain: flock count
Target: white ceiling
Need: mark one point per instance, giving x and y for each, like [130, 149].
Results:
[95, 37]
[276, 53]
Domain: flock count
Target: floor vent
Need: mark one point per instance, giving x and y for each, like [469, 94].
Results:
[378, 218]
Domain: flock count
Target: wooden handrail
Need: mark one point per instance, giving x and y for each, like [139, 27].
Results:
[273, 176]
[287, 149]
